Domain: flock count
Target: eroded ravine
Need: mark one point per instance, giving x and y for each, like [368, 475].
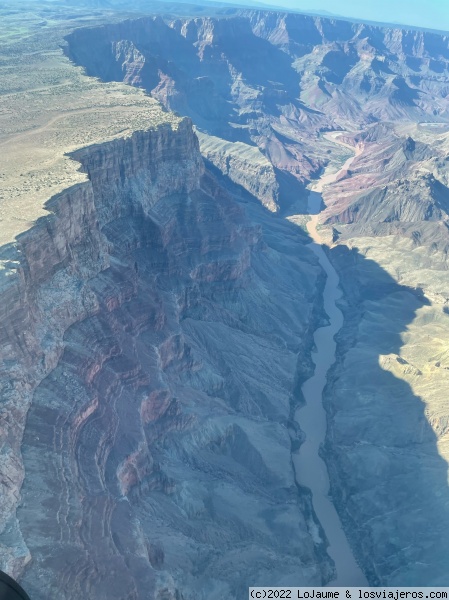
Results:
[311, 470]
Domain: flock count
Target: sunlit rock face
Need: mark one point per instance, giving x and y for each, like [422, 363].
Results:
[387, 446]
[273, 80]
[166, 339]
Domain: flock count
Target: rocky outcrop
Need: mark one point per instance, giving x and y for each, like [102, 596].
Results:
[387, 449]
[244, 165]
[45, 290]
[275, 80]
[153, 341]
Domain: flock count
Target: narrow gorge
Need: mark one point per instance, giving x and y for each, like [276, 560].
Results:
[224, 302]
[269, 93]
[310, 468]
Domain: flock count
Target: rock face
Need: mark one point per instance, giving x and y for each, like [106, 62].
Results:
[386, 400]
[161, 340]
[156, 326]
[245, 166]
[277, 82]
[274, 80]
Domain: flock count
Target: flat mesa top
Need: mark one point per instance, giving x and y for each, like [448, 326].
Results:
[49, 108]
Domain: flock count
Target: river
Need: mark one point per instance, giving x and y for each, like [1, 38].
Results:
[310, 469]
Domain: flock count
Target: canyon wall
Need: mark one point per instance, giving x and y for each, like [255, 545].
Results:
[280, 83]
[157, 324]
[273, 80]
[154, 339]
[387, 445]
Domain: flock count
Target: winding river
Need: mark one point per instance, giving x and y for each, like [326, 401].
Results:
[310, 469]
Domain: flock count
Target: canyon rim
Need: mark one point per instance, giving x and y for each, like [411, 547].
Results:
[161, 302]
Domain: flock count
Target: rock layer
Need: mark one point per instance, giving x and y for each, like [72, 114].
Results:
[274, 80]
[279, 82]
[156, 333]
[171, 339]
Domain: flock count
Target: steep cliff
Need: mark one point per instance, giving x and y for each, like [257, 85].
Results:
[154, 342]
[387, 447]
[274, 80]
[279, 82]
[156, 324]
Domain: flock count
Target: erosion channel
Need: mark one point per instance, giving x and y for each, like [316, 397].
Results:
[311, 470]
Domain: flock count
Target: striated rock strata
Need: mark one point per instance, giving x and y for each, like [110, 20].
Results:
[155, 332]
[154, 340]
[274, 81]
[280, 83]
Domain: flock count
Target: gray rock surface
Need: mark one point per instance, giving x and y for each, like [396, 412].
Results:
[171, 337]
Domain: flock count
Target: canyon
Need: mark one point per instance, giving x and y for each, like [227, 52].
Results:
[207, 198]
[310, 468]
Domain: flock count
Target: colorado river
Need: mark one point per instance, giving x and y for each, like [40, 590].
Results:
[310, 469]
